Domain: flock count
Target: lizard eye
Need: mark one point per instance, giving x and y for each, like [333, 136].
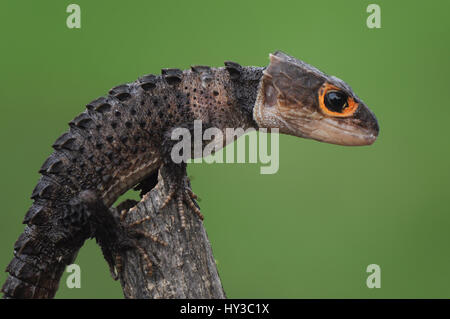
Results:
[334, 102]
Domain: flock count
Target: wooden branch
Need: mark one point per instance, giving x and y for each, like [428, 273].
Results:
[185, 268]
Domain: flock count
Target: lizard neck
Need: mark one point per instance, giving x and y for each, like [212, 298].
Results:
[246, 85]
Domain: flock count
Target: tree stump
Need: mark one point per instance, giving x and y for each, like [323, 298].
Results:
[184, 268]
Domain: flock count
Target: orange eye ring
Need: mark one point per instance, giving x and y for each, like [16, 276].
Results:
[348, 111]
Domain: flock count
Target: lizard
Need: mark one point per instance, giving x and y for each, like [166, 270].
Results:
[122, 140]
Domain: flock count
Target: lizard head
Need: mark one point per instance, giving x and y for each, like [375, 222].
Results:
[300, 100]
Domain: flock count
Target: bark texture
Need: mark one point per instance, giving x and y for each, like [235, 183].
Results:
[184, 268]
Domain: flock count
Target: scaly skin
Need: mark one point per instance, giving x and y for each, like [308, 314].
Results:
[123, 139]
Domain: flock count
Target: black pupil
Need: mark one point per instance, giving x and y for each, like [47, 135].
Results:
[336, 101]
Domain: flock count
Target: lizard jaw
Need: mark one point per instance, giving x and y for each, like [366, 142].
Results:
[333, 132]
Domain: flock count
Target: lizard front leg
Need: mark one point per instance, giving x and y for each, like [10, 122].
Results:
[180, 191]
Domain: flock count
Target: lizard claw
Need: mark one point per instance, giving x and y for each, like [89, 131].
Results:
[182, 194]
[132, 232]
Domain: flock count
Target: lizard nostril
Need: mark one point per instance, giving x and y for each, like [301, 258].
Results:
[376, 127]
[374, 124]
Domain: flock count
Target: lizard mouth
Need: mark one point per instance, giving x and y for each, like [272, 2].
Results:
[362, 129]
[331, 131]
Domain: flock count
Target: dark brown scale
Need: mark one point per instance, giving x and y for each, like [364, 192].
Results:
[234, 69]
[172, 76]
[37, 215]
[119, 142]
[121, 92]
[82, 121]
[65, 141]
[147, 82]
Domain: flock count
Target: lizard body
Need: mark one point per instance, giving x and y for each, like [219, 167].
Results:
[121, 141]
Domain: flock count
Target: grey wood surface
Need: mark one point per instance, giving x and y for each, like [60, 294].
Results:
[184, 268]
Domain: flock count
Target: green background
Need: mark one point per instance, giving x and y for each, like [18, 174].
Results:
[308, 231]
